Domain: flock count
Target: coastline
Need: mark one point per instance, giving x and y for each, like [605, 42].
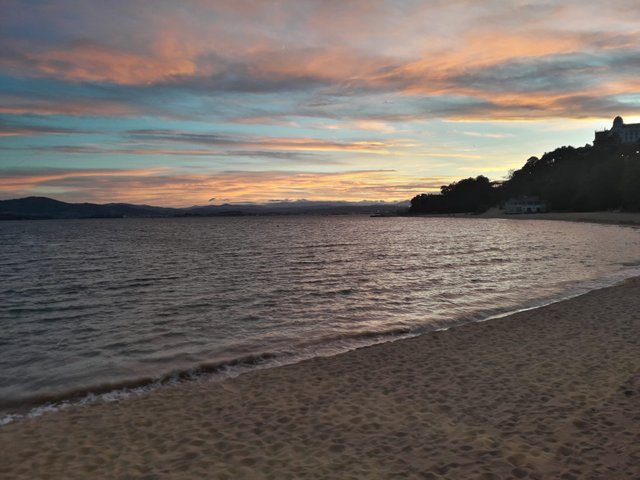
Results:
[605, 218]
[608, 218]
[544, 393]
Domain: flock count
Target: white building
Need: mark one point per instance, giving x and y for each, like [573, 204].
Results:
[625, 133]
[524, 204]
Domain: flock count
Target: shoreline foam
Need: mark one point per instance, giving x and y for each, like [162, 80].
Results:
[545, 393]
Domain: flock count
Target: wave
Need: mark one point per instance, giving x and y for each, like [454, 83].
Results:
[39, 404]
[324, 345]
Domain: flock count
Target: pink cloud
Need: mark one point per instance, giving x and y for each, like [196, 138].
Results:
[48, 106]
[88, 62]
[417, 49]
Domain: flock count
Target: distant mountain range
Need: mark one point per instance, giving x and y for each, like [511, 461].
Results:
[36, 208]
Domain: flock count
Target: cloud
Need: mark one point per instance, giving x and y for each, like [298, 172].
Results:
[263, 142]
[166, 187]
[486, 134]
[19, 129]
[86, 61]
[468, 47]
[484, 74]
[22, 179]
[87, 107]
[171, 142]
[135, 150]
[299, 83]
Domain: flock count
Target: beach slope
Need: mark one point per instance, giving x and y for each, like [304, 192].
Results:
[547, 393]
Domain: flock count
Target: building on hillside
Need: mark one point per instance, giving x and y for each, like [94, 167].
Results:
[620, 131]
[524, 204]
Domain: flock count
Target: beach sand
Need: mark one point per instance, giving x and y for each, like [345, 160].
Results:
[550, 393]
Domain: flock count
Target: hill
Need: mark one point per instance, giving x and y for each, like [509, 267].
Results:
[35, 208]
[605, 176]
[47, 208]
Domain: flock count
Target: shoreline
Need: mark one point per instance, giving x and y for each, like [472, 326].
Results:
[625, 219]
[536, 393]
[606, 218]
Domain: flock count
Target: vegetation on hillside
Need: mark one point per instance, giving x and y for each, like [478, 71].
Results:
[605, 176]
[468, 195]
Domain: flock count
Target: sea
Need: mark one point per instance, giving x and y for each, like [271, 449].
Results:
[103, 309]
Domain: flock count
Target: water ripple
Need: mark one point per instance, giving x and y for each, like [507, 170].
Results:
[92, 306]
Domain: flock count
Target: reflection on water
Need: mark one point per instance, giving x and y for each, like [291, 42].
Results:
[89, 305]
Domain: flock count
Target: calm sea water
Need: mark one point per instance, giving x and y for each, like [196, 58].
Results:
[99, 305]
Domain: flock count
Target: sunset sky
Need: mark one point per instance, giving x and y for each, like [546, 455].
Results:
[175, 103]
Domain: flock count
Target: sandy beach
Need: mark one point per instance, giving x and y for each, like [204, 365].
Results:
[547, 393]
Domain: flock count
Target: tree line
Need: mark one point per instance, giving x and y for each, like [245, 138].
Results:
[604, 176]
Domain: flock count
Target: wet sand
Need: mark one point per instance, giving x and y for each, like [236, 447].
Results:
[551, 393]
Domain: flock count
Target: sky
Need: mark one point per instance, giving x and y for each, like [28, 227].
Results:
[195, 102]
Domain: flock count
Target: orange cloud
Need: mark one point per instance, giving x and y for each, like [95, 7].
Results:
[351, 48]
[24, 180]
[162, 187]
[40, 106]
[334, 52]
[86, 62]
